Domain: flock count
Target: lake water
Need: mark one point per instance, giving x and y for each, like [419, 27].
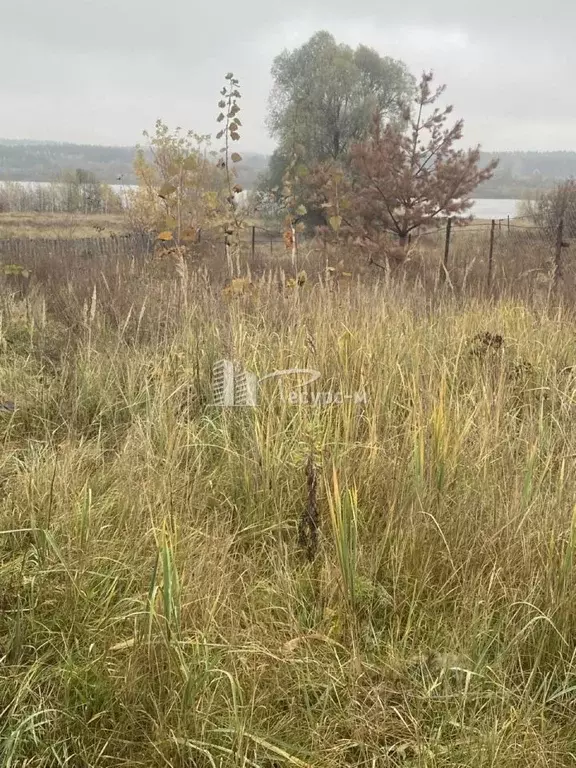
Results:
[483, 208]
[495, 209]
[487, 208]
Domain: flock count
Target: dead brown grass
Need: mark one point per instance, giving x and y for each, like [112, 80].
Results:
[60, 225]
[156, 607]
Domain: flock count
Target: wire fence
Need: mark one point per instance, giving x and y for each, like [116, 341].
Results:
[486, 253]
[18, 250]
[501, 250]
[459, 251]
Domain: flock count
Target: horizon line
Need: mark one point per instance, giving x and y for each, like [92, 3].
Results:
[5, 141]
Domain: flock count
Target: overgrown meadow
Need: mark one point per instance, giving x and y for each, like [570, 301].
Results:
[388, 583]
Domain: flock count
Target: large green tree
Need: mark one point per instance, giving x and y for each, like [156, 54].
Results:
[325, 95]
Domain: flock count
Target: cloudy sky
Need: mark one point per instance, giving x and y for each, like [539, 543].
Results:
[101, 71]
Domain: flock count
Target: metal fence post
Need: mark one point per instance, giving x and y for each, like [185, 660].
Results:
[491, 252]
[444, 269]
[558, 252]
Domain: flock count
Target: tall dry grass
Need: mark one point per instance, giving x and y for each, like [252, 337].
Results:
[157, 607]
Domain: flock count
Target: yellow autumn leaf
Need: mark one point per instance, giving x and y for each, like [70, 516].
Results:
[335, 222]
[189, 235]
[166, 190]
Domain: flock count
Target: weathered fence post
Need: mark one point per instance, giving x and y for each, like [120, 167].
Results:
[558, 252]
[253, 241]
[444, 268]
[491, 252]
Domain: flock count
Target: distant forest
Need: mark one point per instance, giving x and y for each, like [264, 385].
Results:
[522, 174]
[46, 161]
[35, 161]
[519, 175]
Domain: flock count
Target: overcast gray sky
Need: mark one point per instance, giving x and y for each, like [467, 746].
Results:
[101, 71]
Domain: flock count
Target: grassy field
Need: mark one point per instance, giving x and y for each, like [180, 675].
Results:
[388, 583]
[60, 225]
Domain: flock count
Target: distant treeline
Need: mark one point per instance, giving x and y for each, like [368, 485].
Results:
[519, 174]
[524, 174]
[35, 161]
[78, 192]
[47, 162]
